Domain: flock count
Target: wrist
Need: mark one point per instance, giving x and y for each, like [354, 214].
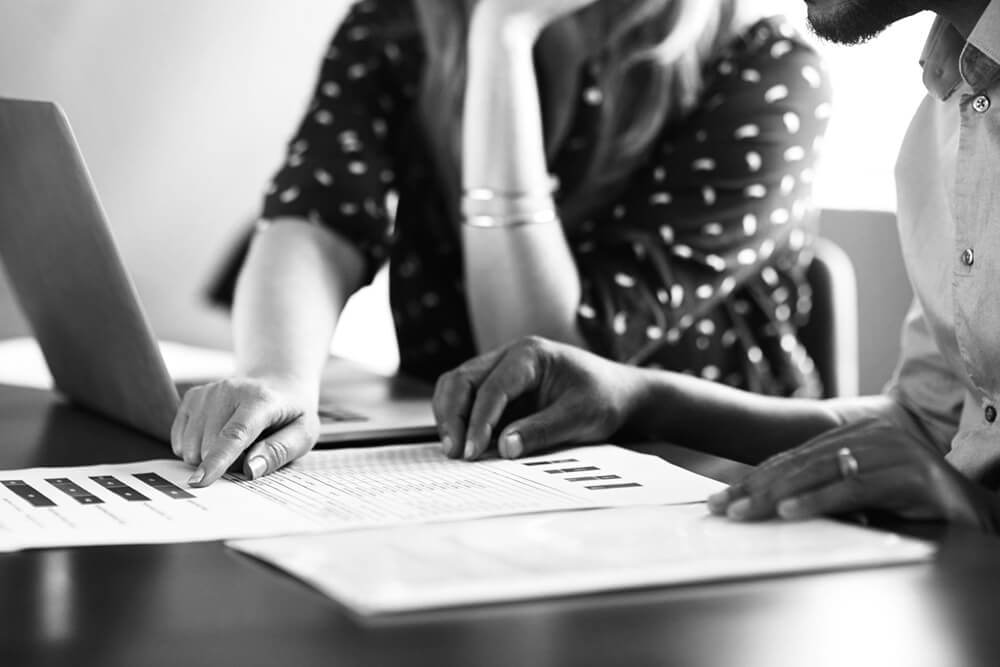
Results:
[304, 387]
[646, 393]
[486, 208]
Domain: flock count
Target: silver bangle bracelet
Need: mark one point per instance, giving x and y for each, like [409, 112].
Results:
[488, 194]
[474, 205]
[511, 220]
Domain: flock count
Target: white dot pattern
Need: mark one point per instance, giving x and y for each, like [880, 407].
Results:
[668, 269]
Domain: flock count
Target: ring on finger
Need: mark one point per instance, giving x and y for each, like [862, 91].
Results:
[847, 464]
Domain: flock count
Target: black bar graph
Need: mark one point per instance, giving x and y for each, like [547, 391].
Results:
[119, 488]
[162, 485]
[74, 491]
[24, 490]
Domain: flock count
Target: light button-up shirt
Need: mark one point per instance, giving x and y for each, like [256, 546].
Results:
[946, 388]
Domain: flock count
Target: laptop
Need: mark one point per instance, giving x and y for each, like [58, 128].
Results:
[68, 276]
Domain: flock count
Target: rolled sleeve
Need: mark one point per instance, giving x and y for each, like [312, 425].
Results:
[340, 164]
[924, 397]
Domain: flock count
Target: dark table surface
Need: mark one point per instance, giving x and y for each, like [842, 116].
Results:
[193, 604]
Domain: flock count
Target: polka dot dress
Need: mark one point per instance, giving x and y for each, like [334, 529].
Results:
[697, 265]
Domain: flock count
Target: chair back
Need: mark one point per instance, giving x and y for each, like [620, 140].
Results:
[831, 336]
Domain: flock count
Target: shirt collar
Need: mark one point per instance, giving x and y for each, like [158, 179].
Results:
[949, 59]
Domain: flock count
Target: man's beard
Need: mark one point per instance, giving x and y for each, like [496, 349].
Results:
[857, 21]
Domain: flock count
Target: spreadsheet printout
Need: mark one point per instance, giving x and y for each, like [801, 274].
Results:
[150, 502]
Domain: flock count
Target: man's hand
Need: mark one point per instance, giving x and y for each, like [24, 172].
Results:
[570, 395]
[272, 420]
[868, 465]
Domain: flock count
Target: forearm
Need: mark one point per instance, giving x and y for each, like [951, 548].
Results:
[520, 279]
[721, 420]
[503, 147]
[290, 293]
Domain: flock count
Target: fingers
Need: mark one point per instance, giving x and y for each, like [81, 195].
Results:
[177, 428]
[846, 495]
[453, 396]
[754, 500]
[277, 449]
[512, 377]
[899, 490]
[190, 437]
[797, 470]
[453, 399]
[222, 444]
[577, 396]
[216, 423]
[784, 463]
[894, 472]
[557, 424]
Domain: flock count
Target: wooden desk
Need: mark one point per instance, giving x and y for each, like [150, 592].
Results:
[194, 604]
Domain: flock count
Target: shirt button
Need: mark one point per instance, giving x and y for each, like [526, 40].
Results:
[990, 413]
[968, 257]
[981, 104]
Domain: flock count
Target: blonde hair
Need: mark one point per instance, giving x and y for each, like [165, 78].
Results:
[651, 54]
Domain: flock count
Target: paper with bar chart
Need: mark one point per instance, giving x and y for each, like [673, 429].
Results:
[149, 502]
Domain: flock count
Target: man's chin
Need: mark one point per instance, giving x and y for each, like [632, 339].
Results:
[855, 21]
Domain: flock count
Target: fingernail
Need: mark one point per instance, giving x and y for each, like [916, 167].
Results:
[469, 449]
[257, 467]
[512, 445]
[196, 477]
[448, 444]
[740, 509]
[789, 509]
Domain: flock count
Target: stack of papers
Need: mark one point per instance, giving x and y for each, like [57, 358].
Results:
[414, 568]
[387, 529]
[347, 489]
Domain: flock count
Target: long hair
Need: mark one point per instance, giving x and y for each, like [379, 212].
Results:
[650, 58]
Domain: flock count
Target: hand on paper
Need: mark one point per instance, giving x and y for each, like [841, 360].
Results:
[569, 395]
[275, 422]
[891, 471]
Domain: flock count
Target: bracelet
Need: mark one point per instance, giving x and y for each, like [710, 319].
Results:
[488, 194]
[511, 219]
[481, 201]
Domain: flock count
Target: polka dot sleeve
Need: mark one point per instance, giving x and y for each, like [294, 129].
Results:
[338, 169]
[724, 195]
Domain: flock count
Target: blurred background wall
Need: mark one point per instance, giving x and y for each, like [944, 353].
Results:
[182, 109]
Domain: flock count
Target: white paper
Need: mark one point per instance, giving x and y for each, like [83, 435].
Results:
[325, 490]
[22, 363]
[422, 567]
[123, 504]
[377, 486]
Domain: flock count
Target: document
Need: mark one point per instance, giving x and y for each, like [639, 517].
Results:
[409, 568]
[346, 489]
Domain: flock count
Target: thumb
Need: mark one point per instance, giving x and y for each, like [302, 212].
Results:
[557, 424]
[277, 450]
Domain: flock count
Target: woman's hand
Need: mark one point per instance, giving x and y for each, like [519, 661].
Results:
[570, 396]
[274, 420]
[528, 17]
[868, 465]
